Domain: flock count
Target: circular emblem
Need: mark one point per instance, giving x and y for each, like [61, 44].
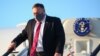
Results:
[82, 26]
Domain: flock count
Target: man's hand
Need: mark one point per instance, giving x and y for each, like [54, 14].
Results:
[12, 45]
[57, 54]
[10, 49]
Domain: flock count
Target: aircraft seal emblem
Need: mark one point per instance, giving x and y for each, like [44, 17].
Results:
[82, 26]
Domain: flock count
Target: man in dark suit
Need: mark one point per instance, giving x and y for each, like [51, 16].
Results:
[51, 37]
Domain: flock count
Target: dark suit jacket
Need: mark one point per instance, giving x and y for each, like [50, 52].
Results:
[53, 35]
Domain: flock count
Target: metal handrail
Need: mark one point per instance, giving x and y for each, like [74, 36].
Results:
[95, 52]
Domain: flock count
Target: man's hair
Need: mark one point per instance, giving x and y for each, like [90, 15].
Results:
[38, 5]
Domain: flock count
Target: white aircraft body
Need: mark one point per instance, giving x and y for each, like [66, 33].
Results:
[75, 45]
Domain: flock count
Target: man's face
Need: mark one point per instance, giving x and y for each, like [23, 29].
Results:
[38, 13]
[38, 10]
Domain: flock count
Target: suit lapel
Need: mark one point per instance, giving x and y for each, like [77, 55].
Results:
[46, 25]
[32, 34]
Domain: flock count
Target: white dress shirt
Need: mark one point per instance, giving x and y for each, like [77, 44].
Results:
[40, 44]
